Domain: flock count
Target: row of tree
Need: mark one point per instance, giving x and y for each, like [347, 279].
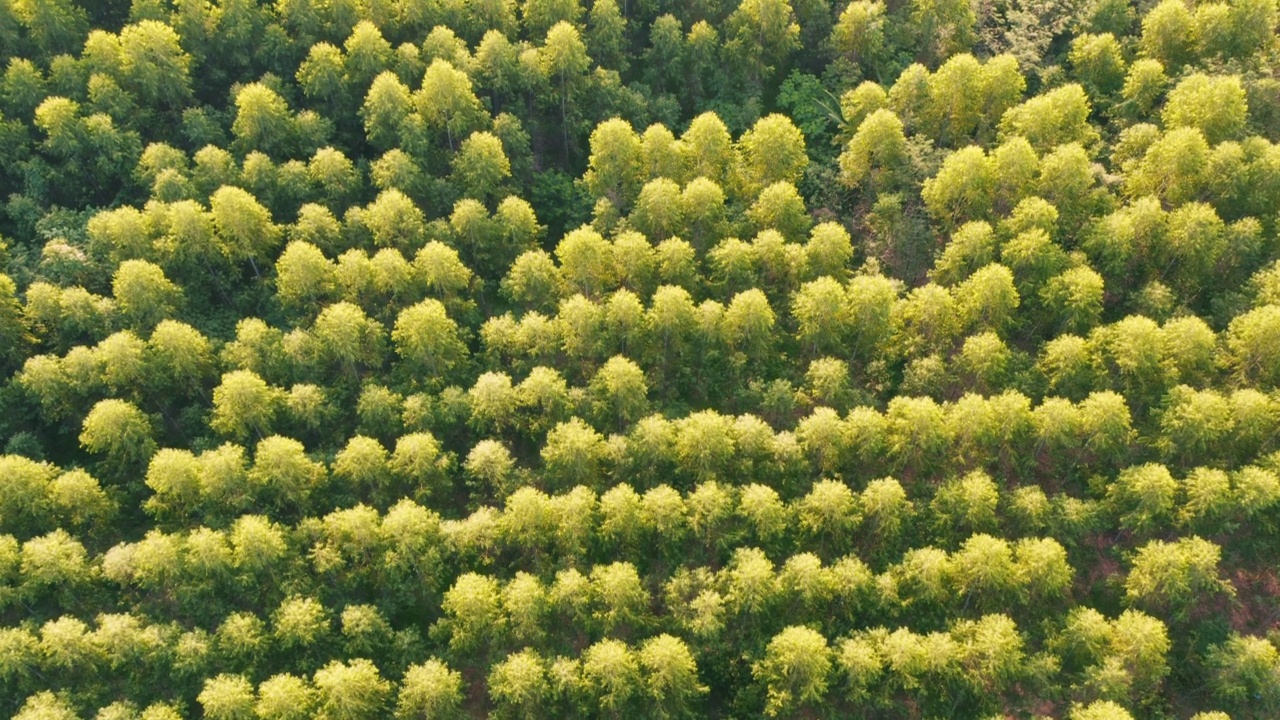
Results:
[974, 666]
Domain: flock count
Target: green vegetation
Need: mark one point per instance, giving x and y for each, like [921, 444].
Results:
[439, 359]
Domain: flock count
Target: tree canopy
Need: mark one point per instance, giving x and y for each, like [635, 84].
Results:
[764, 358]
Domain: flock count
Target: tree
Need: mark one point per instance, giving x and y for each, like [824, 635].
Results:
[24, 506]
[517, 228]
[1208, 498]
[1125, 658]
[991, 655]
[988, 298]
[243, 225]
[1099, 63]
[180, 358]
[772, 151]
[621, 519]
[55, 567]
[518, 685]
[885, 508]
[1245, 670]
[675, 263]
[174, 476]
[663, 154]
[1144, 496]
[1187, 103]
[877, 154]
[346, 340]
[821, 310]
[1194, 422]
[586, 261]
[664, 56]
[1067, 181]
[244, 404]
[367, 54]
[620, 600]
[1251, 338]
[227, 697]
[45, 705]
[929, 317]
[703, 45]
[542, 400]
[1051, 119]
[705, 444]
[620, 392]
[871, 302]
[386, 107]
[419, 462]
[14, 334]
[615, 168]
[764, 512]
[943, 27]
[120, 431]
[380, 410]
[300, 624]
[428, 341]
[539, 16]
[564, 60]
[473, 614]
[492, 402]
[748, 325]
[795, 670]
[963, 189]
[153, 65]
[965, 98]
[525, 598]
[1175, 575]
[281, 466]
[429, 690]
[967, 504]
[659, 212]
[828, 251]
[446, 102]
[861, 102]
[763, 33]
[533, 281]
[829, 512]
[363, 464]
[1100, 710]
[305, 279]
[859, 34]
[481, 166]
[573, 455]
[827, 382]
[780, 207]
[1144, 85]
[708, 148]
[262, 122]
[607, 35]
[1173, 167]
[671, 676]
[1075, 299]
[78, 498]
[972, 246]
[143, 294]
[350, 691]
[1168, 34]
[1042, 568]
[285, 697]
[394, 221]
[612, 676]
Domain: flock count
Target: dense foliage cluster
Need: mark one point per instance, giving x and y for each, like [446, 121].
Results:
[455, 358]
